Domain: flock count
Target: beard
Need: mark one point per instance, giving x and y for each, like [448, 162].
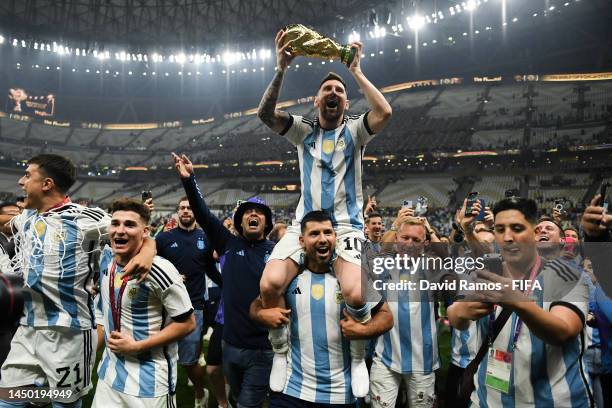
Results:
[332, 109]
[186, 222]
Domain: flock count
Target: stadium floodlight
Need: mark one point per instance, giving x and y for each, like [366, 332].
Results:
[2, 40]
[129, 72]
[73, 69]
[354, 36]
[416, 22]
[470, 5]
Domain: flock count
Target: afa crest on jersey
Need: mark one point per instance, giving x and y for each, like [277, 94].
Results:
[317, 291]
[200, 244]
[338, 295]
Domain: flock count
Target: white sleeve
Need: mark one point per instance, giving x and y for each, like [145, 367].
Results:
[174, 295]
[297, 129]
[99, 312]
[358, 125]
[94, 223]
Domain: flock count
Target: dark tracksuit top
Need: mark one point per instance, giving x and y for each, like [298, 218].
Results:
[244, 264]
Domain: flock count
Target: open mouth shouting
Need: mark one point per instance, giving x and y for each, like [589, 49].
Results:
[323, 251]
[120, 243]
[253, 223]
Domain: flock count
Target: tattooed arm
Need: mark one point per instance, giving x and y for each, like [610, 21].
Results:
[275, 119]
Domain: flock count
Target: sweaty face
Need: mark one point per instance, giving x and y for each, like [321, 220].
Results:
[253, 223]
[33, 185]
[331, 100]
[514, 235]
[185, 215]
[318, 241]
[127, 233]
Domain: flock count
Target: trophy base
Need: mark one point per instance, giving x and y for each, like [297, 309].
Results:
[347, 54]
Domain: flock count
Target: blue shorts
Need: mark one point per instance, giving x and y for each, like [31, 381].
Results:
[189, 347]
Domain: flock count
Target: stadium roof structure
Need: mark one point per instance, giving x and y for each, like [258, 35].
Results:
[173, 22]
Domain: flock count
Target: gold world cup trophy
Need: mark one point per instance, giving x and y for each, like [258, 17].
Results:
[308, 43]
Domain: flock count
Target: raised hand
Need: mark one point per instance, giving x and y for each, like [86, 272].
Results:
[183, 165]
[284, 55]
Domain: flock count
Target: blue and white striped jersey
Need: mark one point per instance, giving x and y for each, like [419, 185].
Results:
[319, 360]
[330, 167]
[411, 346]
[146, 308]
[542, 374]
[55, 255]
[464, 345]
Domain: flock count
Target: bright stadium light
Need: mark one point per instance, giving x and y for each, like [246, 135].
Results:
[2, 40]
[416, 22]
[354, 36]
[470, 5]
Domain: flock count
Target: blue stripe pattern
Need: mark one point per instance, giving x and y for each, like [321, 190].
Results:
[426, 313]
[349, 180]
[140, 326]
[319, 339]
[403, 312]
[328, 175]
[67, 247]
[294, 387]
[307, 172]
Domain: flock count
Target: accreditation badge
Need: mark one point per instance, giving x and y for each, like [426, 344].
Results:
[499, 367]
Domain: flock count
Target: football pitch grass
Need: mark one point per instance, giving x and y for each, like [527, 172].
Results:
[184, 393]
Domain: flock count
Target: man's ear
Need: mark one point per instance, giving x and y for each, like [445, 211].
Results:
[302, 241]
[48, 184]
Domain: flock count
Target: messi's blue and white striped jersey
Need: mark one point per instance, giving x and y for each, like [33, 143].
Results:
[55, 255]
[146, 308]
[319, 360]
[330, 167]
[542, 375]
[411, 346]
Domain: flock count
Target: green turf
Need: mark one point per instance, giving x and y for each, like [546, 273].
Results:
[184, 393]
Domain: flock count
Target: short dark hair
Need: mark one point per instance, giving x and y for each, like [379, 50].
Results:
[572, 228]
[129, 204]
[314, 216]
[60, 169]
[7, 204]
[550, 219]
[183, 198]
[332, 76]
[525, 206]
[371, 215]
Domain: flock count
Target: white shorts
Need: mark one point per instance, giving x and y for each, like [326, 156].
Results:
[349, 243]
[106, 397]
[55, 357]
[385, 385]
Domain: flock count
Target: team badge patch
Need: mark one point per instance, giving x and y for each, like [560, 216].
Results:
[200, 244]
[40, 227]
[328, 146]
[317, 292]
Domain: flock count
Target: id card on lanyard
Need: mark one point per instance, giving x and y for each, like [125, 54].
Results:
[499, 362]
[115, 304]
